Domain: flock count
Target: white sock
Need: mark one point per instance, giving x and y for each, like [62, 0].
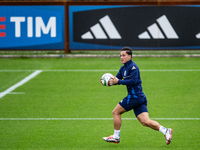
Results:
[116, 134]
[162, 129]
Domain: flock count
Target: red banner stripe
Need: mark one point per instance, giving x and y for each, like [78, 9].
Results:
[2, 19]
[2, 26]
[2, 34]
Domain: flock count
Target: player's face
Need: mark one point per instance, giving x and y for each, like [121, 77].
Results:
[124, 57]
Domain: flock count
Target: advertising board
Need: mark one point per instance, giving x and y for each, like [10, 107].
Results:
[32, 27]
[136, 26]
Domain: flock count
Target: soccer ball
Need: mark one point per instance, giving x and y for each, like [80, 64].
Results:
[106, 79]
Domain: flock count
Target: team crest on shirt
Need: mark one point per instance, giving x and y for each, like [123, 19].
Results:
[124, 73]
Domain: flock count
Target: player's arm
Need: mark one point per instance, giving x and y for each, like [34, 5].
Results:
[131, 81]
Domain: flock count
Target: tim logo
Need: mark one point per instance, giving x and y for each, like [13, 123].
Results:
[32, 27]
[39, 26]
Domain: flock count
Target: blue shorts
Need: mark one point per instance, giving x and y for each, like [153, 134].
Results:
[139, 105]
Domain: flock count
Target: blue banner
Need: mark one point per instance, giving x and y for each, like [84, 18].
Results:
[32, 27]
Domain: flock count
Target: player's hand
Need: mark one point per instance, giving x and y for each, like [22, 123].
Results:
[114, 80]
[101, 82]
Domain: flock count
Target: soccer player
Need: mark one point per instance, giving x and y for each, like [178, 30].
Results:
[129, 75]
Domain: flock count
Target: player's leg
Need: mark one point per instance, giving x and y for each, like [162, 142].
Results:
[115, 138]
[118, 110]
[146, 121]
[142, 115]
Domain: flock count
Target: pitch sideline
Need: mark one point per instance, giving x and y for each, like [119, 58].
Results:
[96, 70]
[20, 83]
[82, 119]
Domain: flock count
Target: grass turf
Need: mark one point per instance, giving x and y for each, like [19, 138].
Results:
[56, 93]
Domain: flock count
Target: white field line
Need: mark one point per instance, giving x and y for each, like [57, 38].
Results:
[81, 119]
[103, 70]
[16, 93]
[20, 83]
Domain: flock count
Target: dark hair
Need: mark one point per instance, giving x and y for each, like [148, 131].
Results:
[128, 50]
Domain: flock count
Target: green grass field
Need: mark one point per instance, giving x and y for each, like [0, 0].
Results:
[66, 107]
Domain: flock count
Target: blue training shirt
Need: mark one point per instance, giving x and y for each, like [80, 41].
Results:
[130, 74]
